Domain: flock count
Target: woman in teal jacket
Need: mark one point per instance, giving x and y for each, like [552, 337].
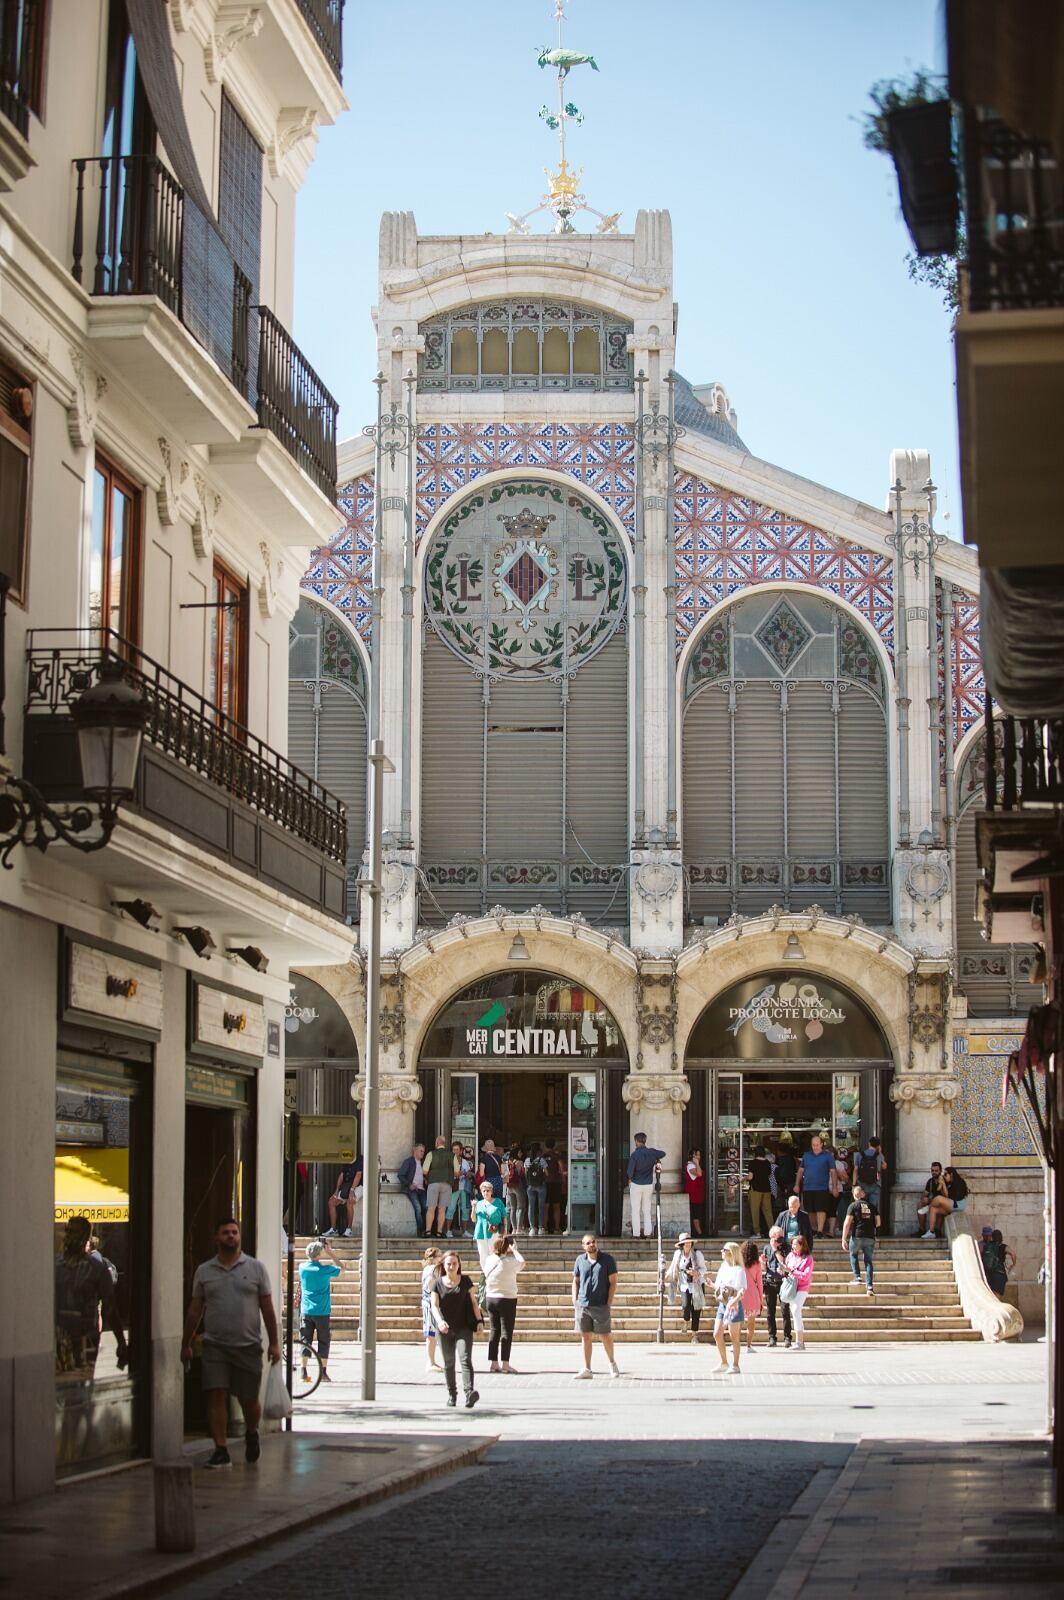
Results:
[489, 1219]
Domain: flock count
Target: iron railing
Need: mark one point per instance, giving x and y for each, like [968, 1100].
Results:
[1024, 762]
[325, 19]
[21, 60]
[137, 233]
[184, 725]
[1014, 198]
[295, 405]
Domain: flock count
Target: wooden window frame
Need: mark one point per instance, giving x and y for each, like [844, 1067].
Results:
[129, 611]
[20, 434]
[222, 573]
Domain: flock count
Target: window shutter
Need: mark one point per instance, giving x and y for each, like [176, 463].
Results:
[596, 755]
[452, 781]
[524, 793]
[240, 194]
[758, 802]
[707, 802]
[811, 795]
[864, 789]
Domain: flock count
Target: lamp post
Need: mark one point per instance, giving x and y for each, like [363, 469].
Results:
[378, 765]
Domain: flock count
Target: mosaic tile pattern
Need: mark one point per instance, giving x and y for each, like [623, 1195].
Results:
[452, 455]
[341, 571]
[980, 1125]
[966, 663]
[725, 543]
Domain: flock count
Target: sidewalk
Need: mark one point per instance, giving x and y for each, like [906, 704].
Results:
[96, 1538]
[918, 1518]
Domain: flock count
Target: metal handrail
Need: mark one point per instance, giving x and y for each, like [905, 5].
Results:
[185, 725]
[325, 19]
[294, 403]
[1024, 762]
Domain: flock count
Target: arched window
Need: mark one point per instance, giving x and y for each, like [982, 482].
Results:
[525, 344]
[327, 720]
[996, 978]
[524, 794]
[785, 777]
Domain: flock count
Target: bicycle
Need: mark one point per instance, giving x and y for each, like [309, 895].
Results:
[305, 1357]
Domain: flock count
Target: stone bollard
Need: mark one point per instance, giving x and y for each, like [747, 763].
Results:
[175, 1513]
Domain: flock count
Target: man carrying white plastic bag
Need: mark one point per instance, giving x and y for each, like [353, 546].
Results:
[231, 1293]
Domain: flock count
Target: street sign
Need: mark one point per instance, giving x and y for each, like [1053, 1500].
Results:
[327, 1138]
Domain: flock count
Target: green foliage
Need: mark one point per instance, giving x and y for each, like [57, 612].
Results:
[891, 94]
[941, 273]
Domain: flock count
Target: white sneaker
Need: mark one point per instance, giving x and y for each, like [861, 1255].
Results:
[723, 1367]
[346, 1234]
[930, 1234]
[585, 1373]
[330, 1233]
[615, 1370]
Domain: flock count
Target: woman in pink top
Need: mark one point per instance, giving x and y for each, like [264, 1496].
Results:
[753, 1299]
[800, 1267]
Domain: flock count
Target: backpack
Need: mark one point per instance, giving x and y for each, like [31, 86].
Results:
[868, 1169]
[536, 1172]
[515, 1174]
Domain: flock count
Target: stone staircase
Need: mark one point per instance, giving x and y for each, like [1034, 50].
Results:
[916, 1296]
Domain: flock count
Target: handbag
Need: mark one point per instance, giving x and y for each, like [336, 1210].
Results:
[789, 1291]
[698, 1299]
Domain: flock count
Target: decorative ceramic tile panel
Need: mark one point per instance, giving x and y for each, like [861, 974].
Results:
[979, 1124]
[725, 543]
[451, 455]
[966, 663]
[341, 571]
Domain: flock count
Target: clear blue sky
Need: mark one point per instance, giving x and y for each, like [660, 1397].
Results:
[789, 246]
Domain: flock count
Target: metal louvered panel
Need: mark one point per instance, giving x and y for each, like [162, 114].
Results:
[864, 791]
[993, 977]
[240, 193]
[707, 803]
[524, 817]
[342, 735]
[302, 741]
[810, 771]
[596, 755]
[452, 783]
[758, 798]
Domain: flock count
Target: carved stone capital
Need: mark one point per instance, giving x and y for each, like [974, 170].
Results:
[398, 1091]
[924, 1089]
[662, 1091]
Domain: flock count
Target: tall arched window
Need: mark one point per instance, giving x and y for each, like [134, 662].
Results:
[327, 720]
[996, 978]
[524, 794]
[525, 344]
[785, 775]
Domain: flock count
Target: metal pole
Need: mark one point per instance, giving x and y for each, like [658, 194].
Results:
[671, 814]
[901, 653]
[290, 1286]
[379, 764]
[661, 1259]
[638, 607]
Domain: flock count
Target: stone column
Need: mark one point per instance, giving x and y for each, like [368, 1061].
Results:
[656, 1092]
[923, 1090]
[400, 1094]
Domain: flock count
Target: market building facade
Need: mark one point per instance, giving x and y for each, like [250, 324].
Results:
[688, 749]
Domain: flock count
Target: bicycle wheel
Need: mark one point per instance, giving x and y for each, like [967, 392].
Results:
[305, 1359]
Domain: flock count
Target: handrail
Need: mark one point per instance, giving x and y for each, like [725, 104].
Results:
[1014, 187]
[294, 403]
[1030, 754]
[184, 724]
[325, 19]
[21, 59]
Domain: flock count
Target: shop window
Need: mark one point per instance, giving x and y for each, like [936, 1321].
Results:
[227, 663]
[114, 555]
[16, 411]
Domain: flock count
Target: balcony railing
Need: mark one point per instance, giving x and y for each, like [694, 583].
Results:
[21, 60]
[1024, 762]
[185, 726]
[325, 19]
[295, 405]
[1014, 197]
[137, 233]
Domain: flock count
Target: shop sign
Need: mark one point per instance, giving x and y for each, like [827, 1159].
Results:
[106, 983]
[485, 1039]
[778, 1009]
[227, 1024]
[68, 1130]
[787, 1016]
[204, 1083]
[581, 1100]
[327, 1138]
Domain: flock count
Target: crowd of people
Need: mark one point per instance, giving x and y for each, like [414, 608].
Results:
[442, 1184]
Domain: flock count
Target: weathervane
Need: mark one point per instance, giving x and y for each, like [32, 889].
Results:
[563, 197]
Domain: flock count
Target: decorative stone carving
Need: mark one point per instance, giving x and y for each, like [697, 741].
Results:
[208, 505]
[294, 124]
[929, 1012]
[181, 14]
[89, 390]
[656, 1022]
[927, 882]
[266, 591]
[924, 1089]
[168, 494]
[397, 1090]
[657, 879]
[656, 1092]
[237, 25]
[390, 1026]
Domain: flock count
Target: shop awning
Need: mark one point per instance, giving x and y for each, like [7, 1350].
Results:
[92, 1184]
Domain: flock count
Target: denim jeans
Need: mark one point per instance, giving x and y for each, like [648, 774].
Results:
[536, 1201]
[462, 1343]
[417, 1200]
[867, 1247]
[515, 1208]
[460, 1206]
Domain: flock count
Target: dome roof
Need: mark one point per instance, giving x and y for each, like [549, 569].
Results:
[694, 415]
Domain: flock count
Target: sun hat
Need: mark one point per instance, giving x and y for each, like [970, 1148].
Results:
[683, 1238]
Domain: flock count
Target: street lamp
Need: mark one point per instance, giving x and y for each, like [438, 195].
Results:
[378, 765]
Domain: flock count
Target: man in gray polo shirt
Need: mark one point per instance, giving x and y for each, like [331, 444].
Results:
[594, 1286]
[231, 1292]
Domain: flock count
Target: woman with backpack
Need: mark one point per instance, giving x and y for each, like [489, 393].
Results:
[501, 1267]
[687, 1275]
[998, 1260]
[536, 1190]
[516, 1191]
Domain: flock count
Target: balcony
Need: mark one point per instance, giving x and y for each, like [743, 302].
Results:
[21, 64]
[1020, 835]
[202, 777]
[173, 312]
[325, 19]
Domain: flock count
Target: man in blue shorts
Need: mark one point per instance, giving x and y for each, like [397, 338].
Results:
[594, 1286]
[815, 1174]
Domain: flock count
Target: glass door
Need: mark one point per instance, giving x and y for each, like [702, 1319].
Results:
[727, 1145]
[462, 1116]
[583, 1151]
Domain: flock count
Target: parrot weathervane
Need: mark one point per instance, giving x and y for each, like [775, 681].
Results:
[563, 198]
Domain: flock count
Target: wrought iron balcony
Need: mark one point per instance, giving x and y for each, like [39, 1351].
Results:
[21, 60]
[325, 19]
[1024, 763]
[137, 233]
[201, 775]
[1014, 198]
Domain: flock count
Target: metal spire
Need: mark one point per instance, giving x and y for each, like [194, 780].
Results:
[563, 198]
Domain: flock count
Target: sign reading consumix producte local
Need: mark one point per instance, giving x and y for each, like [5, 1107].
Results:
[787, 1016]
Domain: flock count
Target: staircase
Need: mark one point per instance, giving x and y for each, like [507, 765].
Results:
[916, 1297]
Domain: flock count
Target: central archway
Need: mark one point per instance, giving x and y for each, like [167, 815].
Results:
[529, 1058]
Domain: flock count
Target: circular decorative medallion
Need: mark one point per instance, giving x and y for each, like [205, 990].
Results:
[525, 580]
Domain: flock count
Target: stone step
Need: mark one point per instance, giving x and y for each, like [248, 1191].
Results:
[891, 1335]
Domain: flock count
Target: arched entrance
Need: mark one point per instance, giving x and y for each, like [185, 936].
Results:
[321, 1063]
[528, 1057]
[773, 1060]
